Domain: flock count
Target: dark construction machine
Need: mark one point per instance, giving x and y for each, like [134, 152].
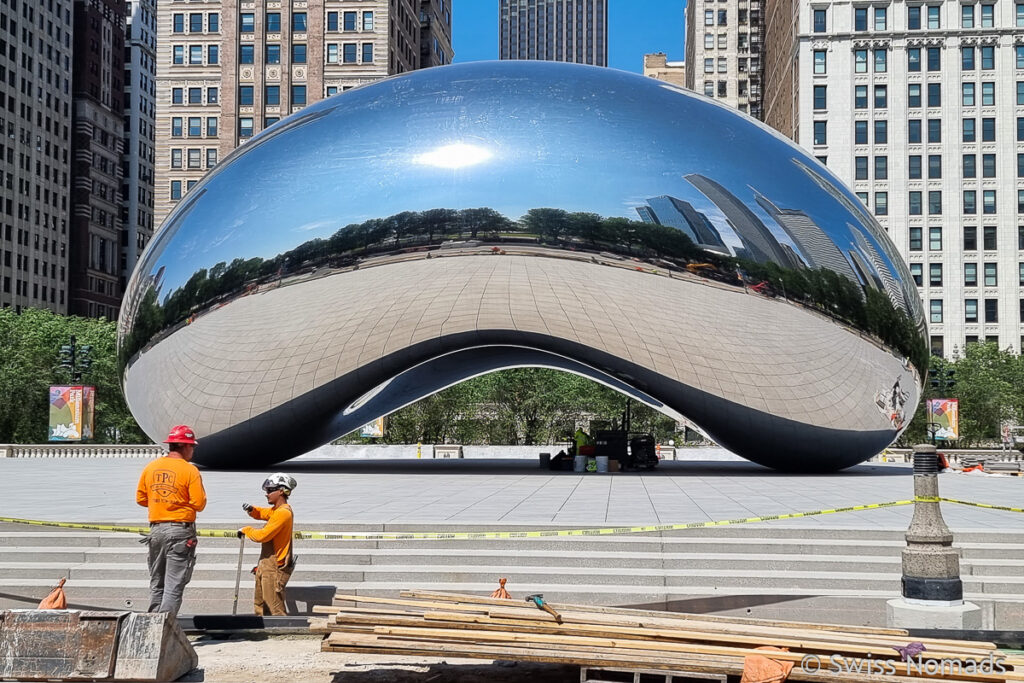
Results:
[632, 450]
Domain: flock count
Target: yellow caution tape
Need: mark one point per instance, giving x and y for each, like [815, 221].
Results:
[492, 535]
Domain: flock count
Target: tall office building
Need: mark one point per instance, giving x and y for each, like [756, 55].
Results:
[555, 30]
[139, 132]
[723, 51]
[227, 70]
[94, 262]
[35, 152]
[920, 109]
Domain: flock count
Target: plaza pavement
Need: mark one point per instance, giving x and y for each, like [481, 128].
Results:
[443, 494]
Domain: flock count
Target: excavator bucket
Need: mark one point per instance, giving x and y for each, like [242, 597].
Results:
[76, 645]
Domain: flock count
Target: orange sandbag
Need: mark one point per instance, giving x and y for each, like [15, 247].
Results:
[56, 599]
[760, 669]
[501, 592]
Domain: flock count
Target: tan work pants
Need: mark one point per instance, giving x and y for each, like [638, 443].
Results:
[270, 583]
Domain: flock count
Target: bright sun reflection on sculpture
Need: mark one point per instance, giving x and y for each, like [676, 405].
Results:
[457, 155]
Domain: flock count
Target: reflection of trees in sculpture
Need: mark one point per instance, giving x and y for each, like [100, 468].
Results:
[863, 308]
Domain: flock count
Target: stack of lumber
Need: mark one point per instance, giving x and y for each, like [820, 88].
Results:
[432, 624]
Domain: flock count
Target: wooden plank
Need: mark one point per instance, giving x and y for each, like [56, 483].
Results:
[409, 603]
[569, 641]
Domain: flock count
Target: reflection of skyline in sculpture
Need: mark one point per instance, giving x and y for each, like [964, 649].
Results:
[674, 212]
[817, 249]
[758, 242]
[884, 275]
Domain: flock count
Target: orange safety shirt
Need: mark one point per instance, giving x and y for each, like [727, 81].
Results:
[276, 534]
[172, 490]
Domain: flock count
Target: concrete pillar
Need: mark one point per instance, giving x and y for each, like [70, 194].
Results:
[932, 593]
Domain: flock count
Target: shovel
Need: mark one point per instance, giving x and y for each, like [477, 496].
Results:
[238, 575]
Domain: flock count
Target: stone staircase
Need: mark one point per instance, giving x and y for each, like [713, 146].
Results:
[766, 571]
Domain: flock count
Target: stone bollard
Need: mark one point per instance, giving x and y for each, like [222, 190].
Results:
[933, 595]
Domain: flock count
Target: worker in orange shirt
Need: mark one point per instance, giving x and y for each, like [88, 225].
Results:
[171, 488]
[277, 562]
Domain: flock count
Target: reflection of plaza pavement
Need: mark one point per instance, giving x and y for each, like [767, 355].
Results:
[514, 493]
[266, 349]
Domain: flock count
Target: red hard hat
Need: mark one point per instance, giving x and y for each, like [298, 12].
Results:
[181, 434]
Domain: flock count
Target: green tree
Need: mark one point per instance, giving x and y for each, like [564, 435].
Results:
[30, 364]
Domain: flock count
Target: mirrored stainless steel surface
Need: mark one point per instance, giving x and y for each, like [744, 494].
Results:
[399, 238]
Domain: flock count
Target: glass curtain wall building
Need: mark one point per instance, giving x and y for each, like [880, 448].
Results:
[555, 30]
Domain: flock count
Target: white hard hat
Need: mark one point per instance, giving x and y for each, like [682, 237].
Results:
[279, 480]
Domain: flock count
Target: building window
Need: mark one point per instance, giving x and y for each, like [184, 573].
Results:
[914, 167]
[988, 165]
[245, 96]
[1019, 53]
[934, 94]
[860, 132]
[914, 131]
[970, 238]
[970, 166]
[860, 168]
[176, 127]
[175, 189]
[195, 126]
[970, 310]
[881, 97]
[1020, 129]
[723, 62]
[821, 132]
[177, 96]
[179, 54]
[970, 275]
[1020, 238]
[988, 94]
[934, 165]
[273, 22]
[988, 57]
[967, 94]
[1020, 172]
[934, 59]
[863, 197]
[988, 201]
[933, 17]
[991, 310]
[178, 23]
[880, 19]
[298, 94]
[860, 18]
[211, 126]
[709, 88]
[273, 53]
[211, 158]
[247, 22]
[915, 237]
[195, 23]
[723, 17]
[913, 59]
[860, 61]
[916, 273]
[245, 127]
[1020, 93]
[175, 158]
[194, 158]
[1020, 274]
[709, 41]
[709, 65]
[935, 238]
[968, 130]
[967, 16]
[368, 23]
[819, 97]
[937, 347]
[349, 53]
[913, 17]
[246, 53]
[332, 53]
[298, 53]
[270, 120]
[881, 203]
[332, 21]
[970, 202]
[211, 95]
[967, 57]
[935, 309]
[934, 130]
[860, 96]
[819, 21]
[195, 95]
[935, 202]
[299, 22]
[935, 275]
[820, 63]
[212, 54]
[989, 238]
[1019, 13]
[990, 275]
[988, 130]
[367, 53]
[881, 168]
[350, 20]
[195, 54]
[988, 16]
[213, 22]
[273, 95]
[914, 95]
[881, 132]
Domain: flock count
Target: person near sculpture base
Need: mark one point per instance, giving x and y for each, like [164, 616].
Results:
[277, 562]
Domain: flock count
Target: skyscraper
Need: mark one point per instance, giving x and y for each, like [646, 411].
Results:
[555, 30]
[723, 52]
[98, 126]
[918, 109]
[759, 243]
[226, 71]
[676, 213]
[35, 152]
[816, 249]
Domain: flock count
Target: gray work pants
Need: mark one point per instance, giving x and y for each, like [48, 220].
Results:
[172, 557]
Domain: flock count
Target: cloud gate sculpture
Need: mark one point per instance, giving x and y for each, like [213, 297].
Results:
[386, 243]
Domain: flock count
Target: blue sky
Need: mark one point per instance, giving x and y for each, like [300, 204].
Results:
[633, 32]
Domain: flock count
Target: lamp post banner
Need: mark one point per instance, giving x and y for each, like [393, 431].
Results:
[945, 414]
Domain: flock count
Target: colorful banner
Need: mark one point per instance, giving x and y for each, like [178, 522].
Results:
[944, 418]
[72, 411]
[374, 430]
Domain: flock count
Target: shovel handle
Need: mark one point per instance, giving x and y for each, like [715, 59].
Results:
[238, 575]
